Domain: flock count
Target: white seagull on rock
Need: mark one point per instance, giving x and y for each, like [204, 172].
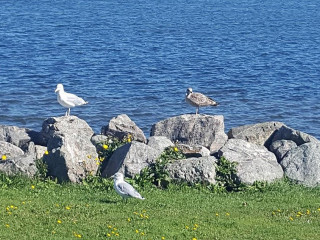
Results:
[124, 189]
[199, 100]
[68, 100]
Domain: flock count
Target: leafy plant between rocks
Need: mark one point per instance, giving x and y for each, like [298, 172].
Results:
[42, 169]
[226, 176]
[156, 173]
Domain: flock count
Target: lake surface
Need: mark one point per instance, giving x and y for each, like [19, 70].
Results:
[259, 59]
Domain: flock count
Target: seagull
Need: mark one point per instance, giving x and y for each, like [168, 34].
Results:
[124, 189]
[68, 100]
[199, 100]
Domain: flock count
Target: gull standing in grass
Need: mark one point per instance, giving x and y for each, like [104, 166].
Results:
[199, 100]
[124, 189]
[68, 100]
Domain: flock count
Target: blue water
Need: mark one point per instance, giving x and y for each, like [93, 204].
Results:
[259, 58]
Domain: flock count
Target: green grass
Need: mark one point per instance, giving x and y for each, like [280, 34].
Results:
[68, 211]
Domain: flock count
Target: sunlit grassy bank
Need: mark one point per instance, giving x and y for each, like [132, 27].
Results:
[45, 210]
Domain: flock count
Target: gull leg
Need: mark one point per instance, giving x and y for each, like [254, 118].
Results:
[68, 111]
[197, 110]
[66, 114]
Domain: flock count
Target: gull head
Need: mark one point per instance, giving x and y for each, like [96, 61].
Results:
[189, 90]
[59, 88]
[118, 176]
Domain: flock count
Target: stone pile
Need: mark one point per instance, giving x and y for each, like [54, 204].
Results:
[264, 151]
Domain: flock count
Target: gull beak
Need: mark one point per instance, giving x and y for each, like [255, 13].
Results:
[56, 90]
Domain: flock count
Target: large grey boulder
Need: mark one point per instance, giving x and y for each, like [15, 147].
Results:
[122, 126]
[193, 170]
[281, 147]
[302, 164]
[10, 150]
[255, 162]
[130, 159]
[71, 156]
[19, 165]
[287, 133]
[191, 129]
[260, 134]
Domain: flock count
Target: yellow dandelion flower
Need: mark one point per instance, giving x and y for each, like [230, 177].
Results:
[194, 239]
[142, 233]
[137, 231]
[105, 146]
[23, 202]
[46, 152]
[291, 218]
[53, 232]
[279, 210]
[7, 225]
[196, 225]
[114, 229]
[129, 140]
[319, 209]
[146, 216]
[135, 213]
[163, 238]
[7, 208]
[4, 157]
[129, 219]
[11, 206]
[59, 221]
[33, 187]
[68, 208]
[109, 226]
[217, 214]
[9, 213]
[117, 234]
[273, 213]
[308, 211]
[89, 156]
[176, 149]
[227, 214]
[108, 235]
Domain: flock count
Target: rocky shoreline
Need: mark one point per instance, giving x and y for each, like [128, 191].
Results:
[264, 151]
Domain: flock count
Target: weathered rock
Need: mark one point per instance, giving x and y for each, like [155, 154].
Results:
[260, 134]
[281, 147]
[191, 129]
[302, 164]
[36, 150]
[193, 151]
[122, 126]
[286, 133]
[130, 159]
[193, 170]
[71, 156]
[159, 143]
[10, 150]
[24, 165]
[255, 162]
[15, 135]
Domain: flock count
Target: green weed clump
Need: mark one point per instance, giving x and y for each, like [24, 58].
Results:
[156, 173]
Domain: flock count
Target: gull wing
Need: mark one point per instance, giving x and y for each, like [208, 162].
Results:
[201, 99]
[127, 189]
[74, 99]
